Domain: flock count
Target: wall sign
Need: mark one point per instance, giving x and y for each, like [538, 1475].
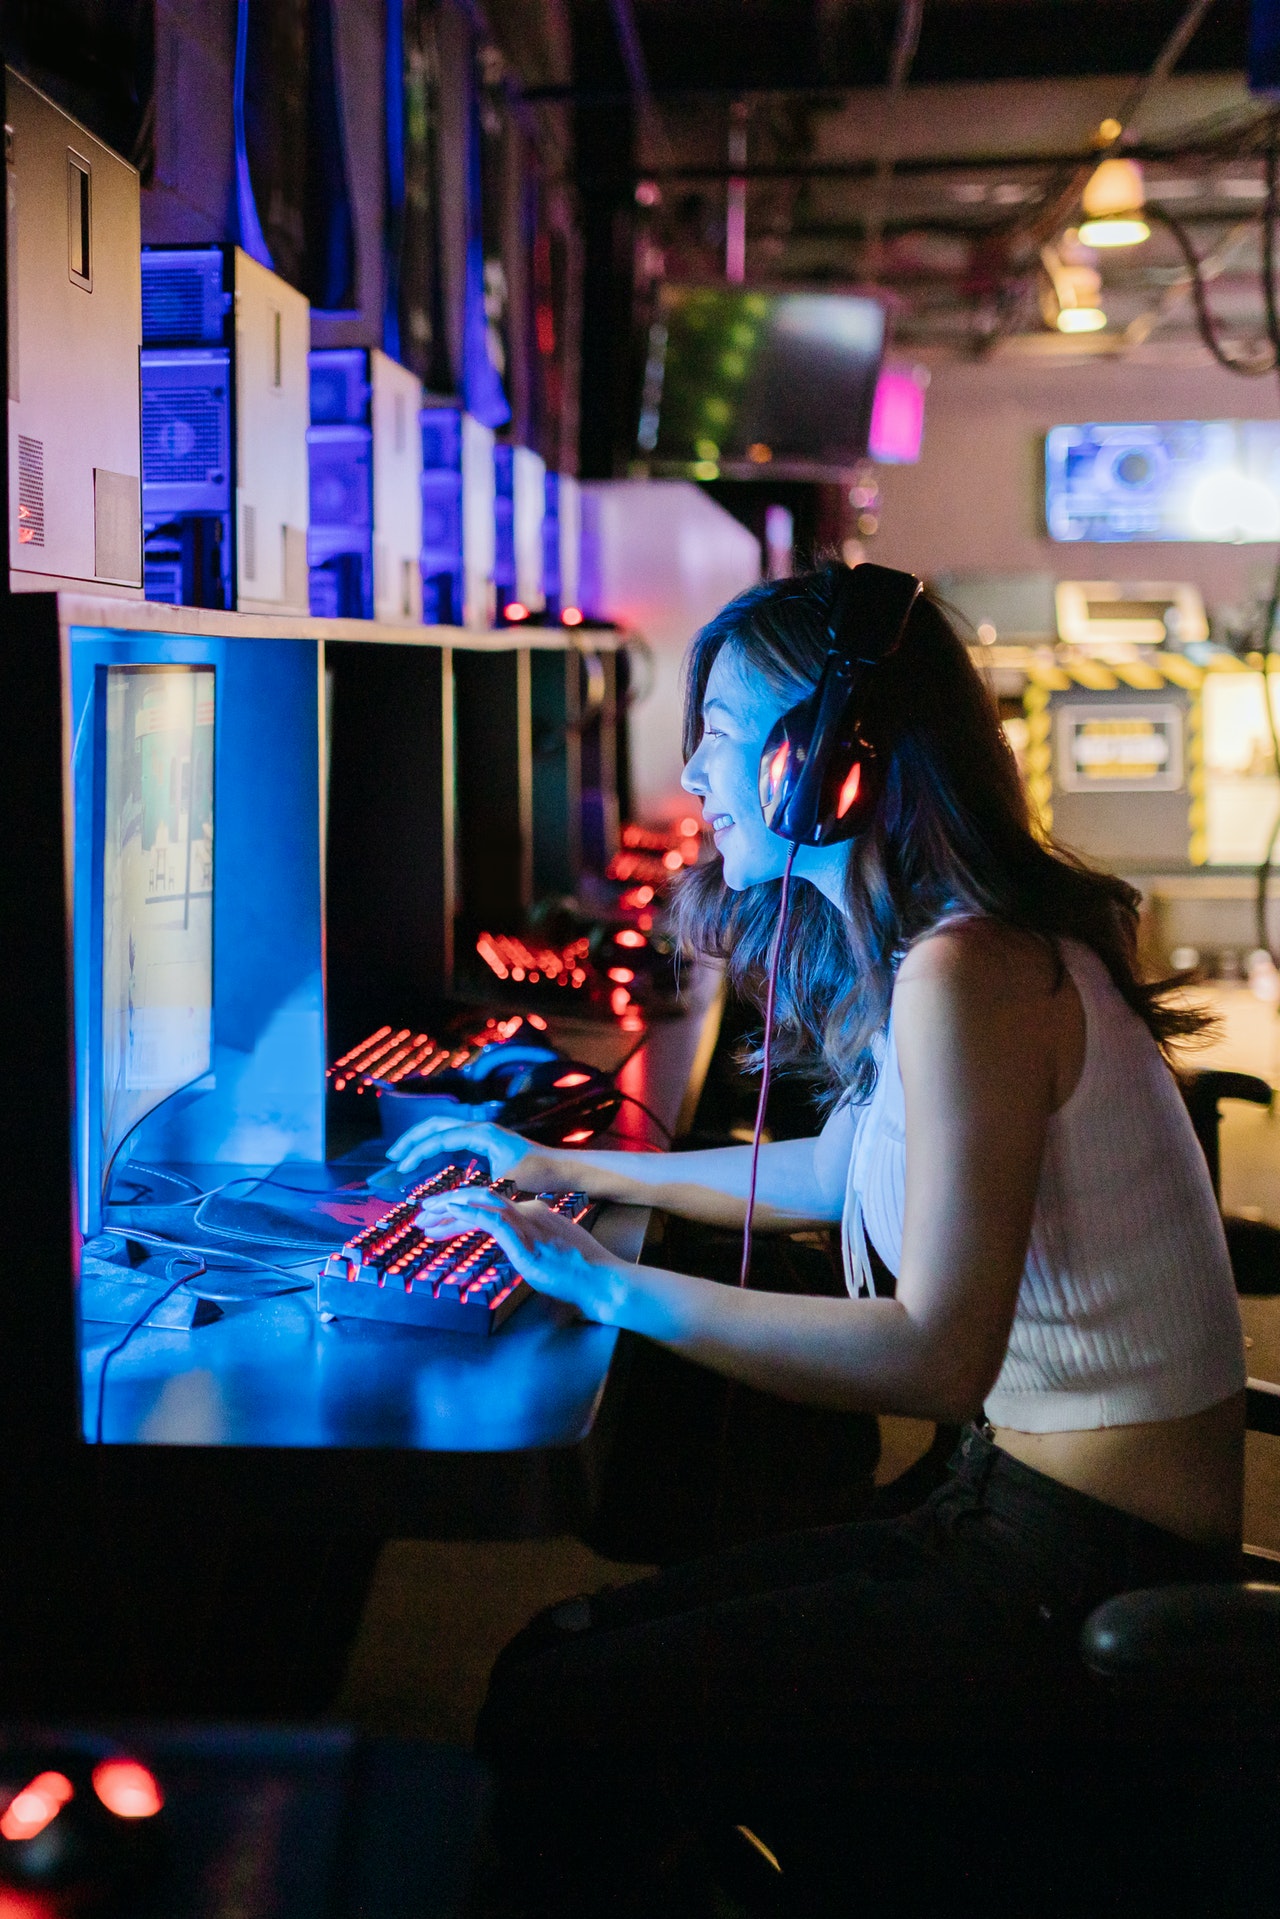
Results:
[1106, 748]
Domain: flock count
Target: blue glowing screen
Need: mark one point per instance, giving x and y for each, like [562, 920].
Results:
[1210, 480]
[157, 891]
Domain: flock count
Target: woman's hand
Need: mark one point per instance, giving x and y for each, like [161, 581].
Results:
[553, 1254]
[509, 1156]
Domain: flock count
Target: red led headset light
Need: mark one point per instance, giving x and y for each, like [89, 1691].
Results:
[849, 791]
[127, 1789]
[36, 1806]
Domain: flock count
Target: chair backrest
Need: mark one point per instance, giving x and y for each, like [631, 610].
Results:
[1203, 1093]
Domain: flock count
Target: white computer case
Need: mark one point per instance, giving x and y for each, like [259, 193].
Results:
[75, 330]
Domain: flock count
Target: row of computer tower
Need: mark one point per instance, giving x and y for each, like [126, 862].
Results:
[172, 435]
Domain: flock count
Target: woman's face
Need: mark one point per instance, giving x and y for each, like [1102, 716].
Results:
[738, 713]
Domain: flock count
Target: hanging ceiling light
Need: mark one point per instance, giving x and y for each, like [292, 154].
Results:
[1079, 292]
[1113, 203]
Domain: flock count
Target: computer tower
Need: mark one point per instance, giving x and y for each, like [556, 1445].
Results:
[529, 489]
[504, 529]
[561, 543]
[441, 489]
[365, 451]
[395, 402]
[519, 485]
[458, 507]
[225, 407]
[74, 308]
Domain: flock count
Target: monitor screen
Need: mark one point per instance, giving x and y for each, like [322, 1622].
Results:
[157, 892]
[1211, 480]
[759, 385]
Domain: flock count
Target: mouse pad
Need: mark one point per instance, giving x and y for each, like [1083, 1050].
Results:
[304, 1219]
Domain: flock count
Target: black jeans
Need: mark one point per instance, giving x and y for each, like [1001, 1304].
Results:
[718, 1684]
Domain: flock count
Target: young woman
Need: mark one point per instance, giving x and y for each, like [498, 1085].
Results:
[1031, 1242]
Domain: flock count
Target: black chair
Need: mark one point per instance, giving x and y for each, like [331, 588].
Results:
[1254, 1246]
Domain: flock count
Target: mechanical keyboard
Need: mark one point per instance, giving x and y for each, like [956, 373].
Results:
[391, 1271]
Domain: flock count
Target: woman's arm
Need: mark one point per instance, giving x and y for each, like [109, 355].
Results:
[979, 1045]
[801, 1181]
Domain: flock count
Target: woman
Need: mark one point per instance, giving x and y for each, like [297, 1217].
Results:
[1028, 1226]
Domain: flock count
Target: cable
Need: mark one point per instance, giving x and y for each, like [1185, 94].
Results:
[648, 1112]
[151, 1307]
[775, 954]
[226, 1253]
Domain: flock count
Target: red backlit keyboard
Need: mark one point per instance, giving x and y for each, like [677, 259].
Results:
[392, 1272]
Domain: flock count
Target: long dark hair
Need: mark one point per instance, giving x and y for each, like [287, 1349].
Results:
[952, 834]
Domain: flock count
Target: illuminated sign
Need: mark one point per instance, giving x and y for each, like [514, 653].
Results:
[1119, 749]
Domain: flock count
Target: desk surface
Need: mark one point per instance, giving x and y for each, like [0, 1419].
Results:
[513, 1420]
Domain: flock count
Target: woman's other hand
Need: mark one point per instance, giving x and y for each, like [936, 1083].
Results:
[509, 1156]
[553, 1254]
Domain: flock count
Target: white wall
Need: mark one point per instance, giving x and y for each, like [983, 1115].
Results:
[974, 502]
[660, 556]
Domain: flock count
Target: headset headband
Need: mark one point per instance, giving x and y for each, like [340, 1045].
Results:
[869, 611]
[820, 775]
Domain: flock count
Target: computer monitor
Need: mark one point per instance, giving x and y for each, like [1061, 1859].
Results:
[755, 385]
[153, 1030]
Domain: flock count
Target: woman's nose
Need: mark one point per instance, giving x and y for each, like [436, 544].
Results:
[691, 779]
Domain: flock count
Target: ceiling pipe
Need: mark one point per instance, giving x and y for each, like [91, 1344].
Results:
[906, 39]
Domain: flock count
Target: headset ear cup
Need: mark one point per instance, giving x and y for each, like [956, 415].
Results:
[851, 792]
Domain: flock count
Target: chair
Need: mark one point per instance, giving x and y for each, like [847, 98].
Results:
[1254, 1246]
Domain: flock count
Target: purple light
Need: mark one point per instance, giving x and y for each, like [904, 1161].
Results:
[897, 418]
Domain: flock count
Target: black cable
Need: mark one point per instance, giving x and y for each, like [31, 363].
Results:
[208, 1253]
[123, 1141]
[648, 1112]
[1273, 603]
[1248, 368]
[151, 1307]
[775, 956]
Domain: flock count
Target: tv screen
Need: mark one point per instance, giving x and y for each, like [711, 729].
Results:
[756, 385]
[1211, 480]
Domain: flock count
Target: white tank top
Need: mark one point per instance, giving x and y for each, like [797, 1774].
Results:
[1127, 1310]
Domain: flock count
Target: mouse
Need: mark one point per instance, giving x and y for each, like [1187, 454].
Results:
[79, 1820]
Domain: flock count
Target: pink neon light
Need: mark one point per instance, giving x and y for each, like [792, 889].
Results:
[897, 419]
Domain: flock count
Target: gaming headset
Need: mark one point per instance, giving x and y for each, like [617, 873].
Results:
[820, 774]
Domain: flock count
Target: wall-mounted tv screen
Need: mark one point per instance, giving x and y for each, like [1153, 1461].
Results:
[1214, 480]
[759, 385]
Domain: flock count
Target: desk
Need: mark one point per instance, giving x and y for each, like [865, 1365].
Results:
[427, 1434]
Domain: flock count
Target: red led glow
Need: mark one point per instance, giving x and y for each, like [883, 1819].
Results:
[624, 977]
[516, 610]
[628, 937]
[571, 616]
[673, 861]
[688, 829]
[778, 764]
[36, 1806]
[849, 791]
[576, 1139]
[619, 1000]
[537, 1022]
[127, 1789]
[571, 1079]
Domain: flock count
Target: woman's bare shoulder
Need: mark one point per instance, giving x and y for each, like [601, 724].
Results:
[983, 959]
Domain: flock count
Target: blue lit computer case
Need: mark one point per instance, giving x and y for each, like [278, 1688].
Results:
[442, 570]
[188, 442]
[340, 455]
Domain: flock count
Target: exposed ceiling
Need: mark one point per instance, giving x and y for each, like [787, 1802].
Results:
[932, 148]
